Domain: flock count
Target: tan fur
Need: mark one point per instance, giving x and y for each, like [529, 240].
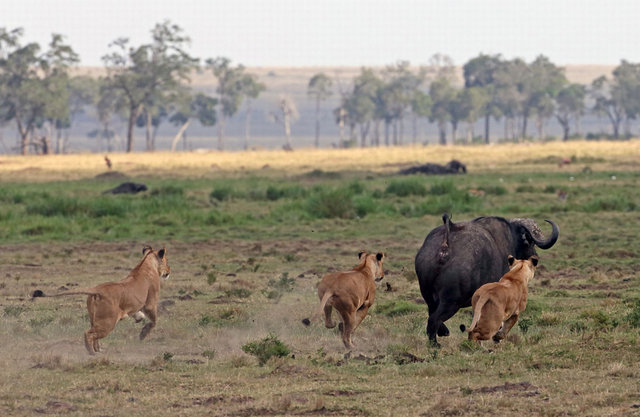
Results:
[136, 295]
[497, 305]
[351, 293]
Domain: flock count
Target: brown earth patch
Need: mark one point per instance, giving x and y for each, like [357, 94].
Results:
[55, 407]
[508, 386]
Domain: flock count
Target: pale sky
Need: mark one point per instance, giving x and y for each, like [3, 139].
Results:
[344, 32]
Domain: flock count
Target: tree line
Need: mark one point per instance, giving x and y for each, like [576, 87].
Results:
[513, 91]
[149, 84]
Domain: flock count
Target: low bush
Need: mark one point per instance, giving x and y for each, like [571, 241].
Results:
[221, 193]
[331, 203]
[406, 187]
[266, 348]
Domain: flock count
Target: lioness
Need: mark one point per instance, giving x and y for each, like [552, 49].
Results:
[351, 293]
[497, 305]
[136, 295]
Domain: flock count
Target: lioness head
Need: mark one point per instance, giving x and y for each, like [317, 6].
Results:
[376, 263]
[530, 263]
[164, 270]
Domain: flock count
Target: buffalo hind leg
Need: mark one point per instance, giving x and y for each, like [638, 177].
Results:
[151, 315]
[433, 306]
[443, 313]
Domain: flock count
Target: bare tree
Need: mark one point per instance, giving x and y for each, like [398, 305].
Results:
[288, 113]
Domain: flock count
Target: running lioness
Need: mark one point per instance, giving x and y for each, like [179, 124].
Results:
[351, 293]
[497, 305]
[135, 295]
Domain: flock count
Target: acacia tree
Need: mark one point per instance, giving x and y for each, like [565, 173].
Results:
[420, 108]
[610, 104]
[200, 107]
[480, 72]
[319, 89]
[442, 94]
[569, 104]
[33, 84]
[139, 76]
[82, 92]
[229, 91]
[251, 89]
[106, 109]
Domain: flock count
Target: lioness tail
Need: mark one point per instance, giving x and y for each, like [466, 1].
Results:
[323, 303]
[478, 310]
[88, 291]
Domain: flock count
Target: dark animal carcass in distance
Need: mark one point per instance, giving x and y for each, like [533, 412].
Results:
[452, 167]
[127, 188]
[458, 258]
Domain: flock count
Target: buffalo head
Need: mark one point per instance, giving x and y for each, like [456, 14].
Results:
[527, 235]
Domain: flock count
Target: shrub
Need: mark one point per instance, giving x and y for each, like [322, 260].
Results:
[283, 284]
[526, 189]
[406, 187]
[318, 173]
[494, 190]
[558, 293]
[209, 354]
[550, 189]
[632, 318]
[443, 188]
[524, 324]
[102, 207]
[601, 319]
[168, 190]
[56, 206]
[238, 293]
[329, 204]
[578, 327]
[364, 204]
[216, 218]
[211, 278]
[266, 348]
[618, 203]
[221, 193]
[397, 308]
[14, 311]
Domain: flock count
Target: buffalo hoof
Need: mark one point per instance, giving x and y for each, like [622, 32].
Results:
[434, 344]
[443, 331]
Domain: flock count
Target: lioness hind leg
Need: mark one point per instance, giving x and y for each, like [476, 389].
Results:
[328, 323]
[505, 329]
[347, 331]
[151, 315]
[100, 330]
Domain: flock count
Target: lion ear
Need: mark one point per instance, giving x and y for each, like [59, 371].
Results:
[379, 256]
[534, 260]
[146, 249]
[162, 252]
[511, 260]
[362, 252]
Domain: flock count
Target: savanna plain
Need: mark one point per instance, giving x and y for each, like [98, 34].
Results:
[248, 237]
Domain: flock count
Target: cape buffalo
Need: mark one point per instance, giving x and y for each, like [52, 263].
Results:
[458, 258]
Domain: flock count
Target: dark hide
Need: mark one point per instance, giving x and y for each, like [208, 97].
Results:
[452, 167]
[127, 188]
[458, 258]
